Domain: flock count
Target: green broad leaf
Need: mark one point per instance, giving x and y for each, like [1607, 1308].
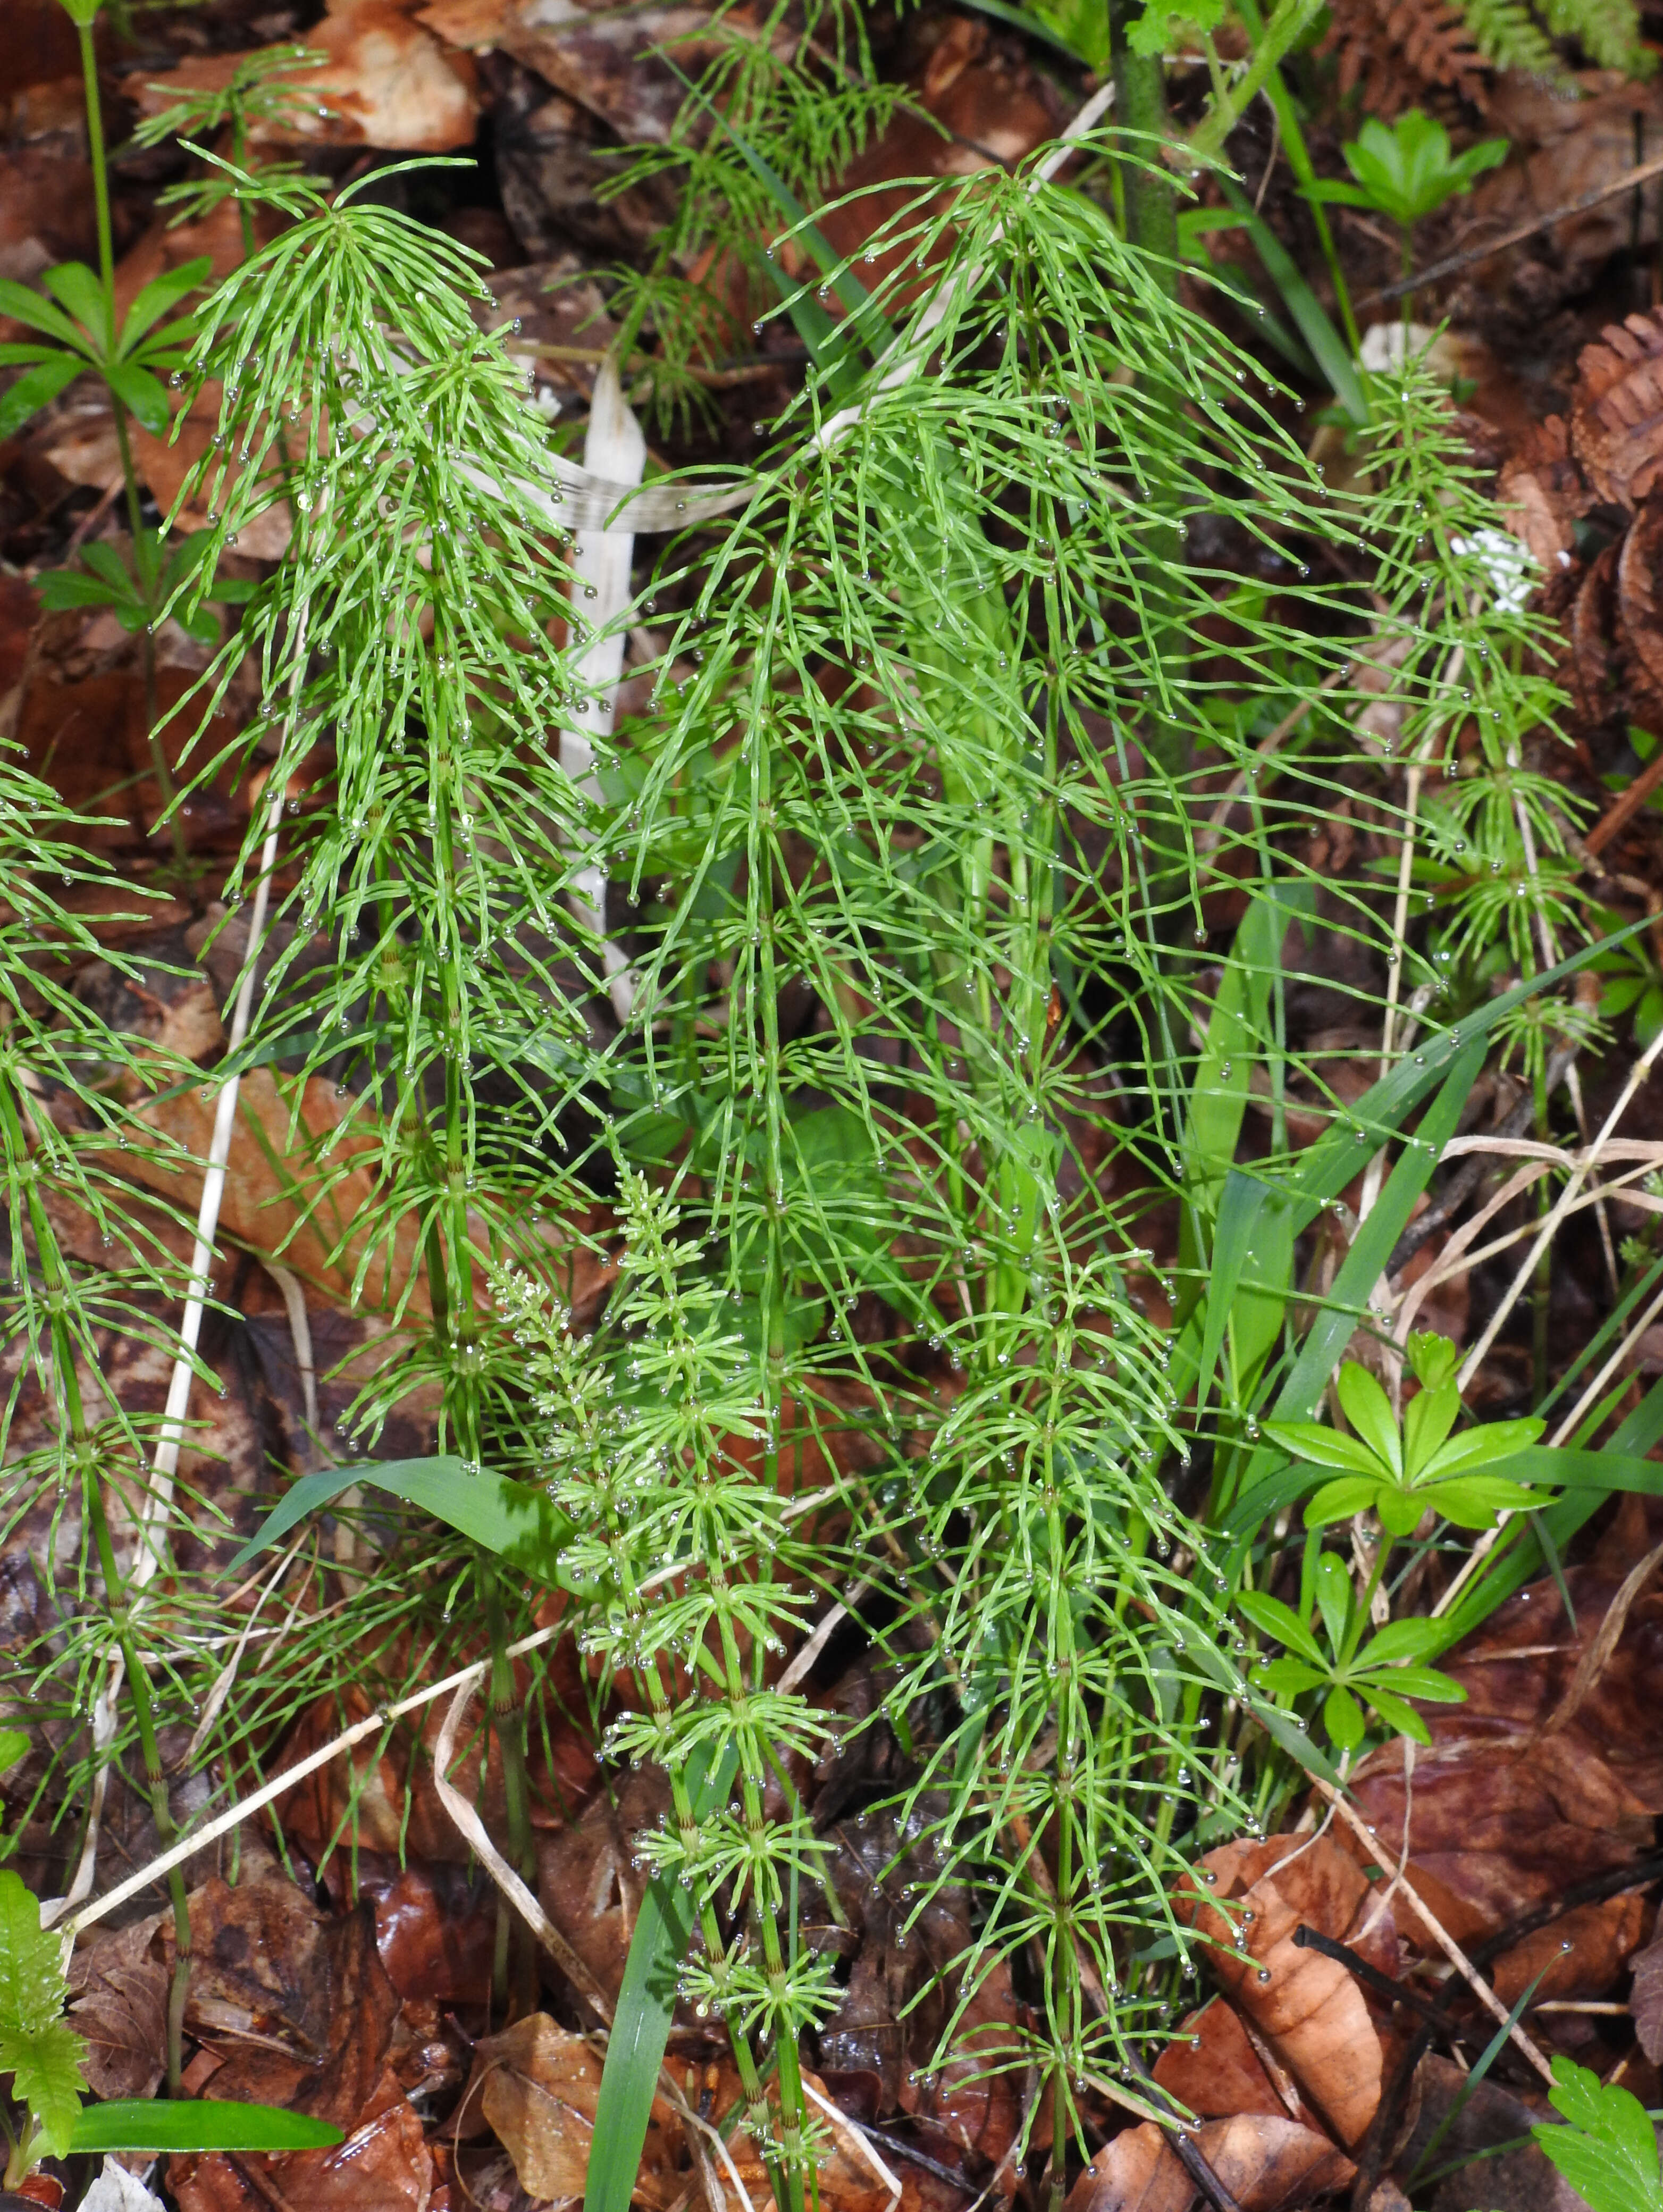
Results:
[1486, 1446]
[187, 2123]
[14, 1746]
[1324, 1447]
[1291, 1677]
[38, 2047]
[1400, 1509]
[1369, 1410]
[26, 306]
[1473, 1501]
[1342, 1716]
[1333, 1598]
[1404, 1639]
[1275, 1619]
[1427, 1422]
[140, 393]
[77, 287]
[1608, 2149]
[515, 1520]
[161, 296]
[1600, 1472]
[646, 2005]
[72, 587]
[1399, 1716]
[36, 388]
[1339, 1501]
[1427, 1682]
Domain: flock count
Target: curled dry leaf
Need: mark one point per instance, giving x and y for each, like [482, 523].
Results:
[1307, 2008]
[1616, 414]
[1267, 2163]
[1544, 493]
[307, 2014]
[1639, 599]
[119, 2009]
[1503, 1814]
[538, 2087]
[387, 81]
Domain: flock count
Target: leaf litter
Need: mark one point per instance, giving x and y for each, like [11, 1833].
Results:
[348, 1959]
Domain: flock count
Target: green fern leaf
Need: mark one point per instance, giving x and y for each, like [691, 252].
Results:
[1607, 30]
[38, 2047]
[1509, 37]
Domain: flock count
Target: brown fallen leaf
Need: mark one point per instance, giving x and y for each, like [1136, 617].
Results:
[539, 2087]
[1505, 1812]
[1213, 2070]
[308, 2014]
[1646, 1998]
[1308, 2006]
[1581, 1954]
[90, 741]
[435, 1927]
[119, 2009]
[362, 1796]
[45, 213]
[1267, 2163]
[387, 81]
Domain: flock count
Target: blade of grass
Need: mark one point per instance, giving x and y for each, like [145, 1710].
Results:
[515, 1520]
[646, 2005]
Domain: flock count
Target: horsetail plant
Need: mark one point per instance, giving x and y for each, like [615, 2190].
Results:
[911, 848]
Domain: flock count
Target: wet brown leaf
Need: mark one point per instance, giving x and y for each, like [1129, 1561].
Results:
[1267, 2163]
[539, 2087]
[1580, 1954]
[120, 2009]
[1219, 2072]
[308, 2012]
[1307, 2008]
[387, 82]
[1505, 1815]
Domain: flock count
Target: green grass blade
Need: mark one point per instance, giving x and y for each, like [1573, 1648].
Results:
[515, 1520]
[646, 2005]
[145, 2124]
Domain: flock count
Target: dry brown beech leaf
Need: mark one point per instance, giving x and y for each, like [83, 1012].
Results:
[1306, 2006]
[387, 81]
[538, 2087]
[1542, 492]
[1617, 414]
[1639, 595]
[1212, 2068]
[120, 2011]
[1267, 2163]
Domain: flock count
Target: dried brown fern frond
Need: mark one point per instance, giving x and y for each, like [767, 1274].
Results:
[1395, 51]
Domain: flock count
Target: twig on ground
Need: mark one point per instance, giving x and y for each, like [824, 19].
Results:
[1445, 1942]
[468, 1821]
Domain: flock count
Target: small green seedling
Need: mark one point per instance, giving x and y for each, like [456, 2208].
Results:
[1407, 171]
[1608, 2151]
[1397, 1472]
[1381, 1676]
[79, 331]
[152, 587]
[42, 2054]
